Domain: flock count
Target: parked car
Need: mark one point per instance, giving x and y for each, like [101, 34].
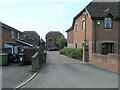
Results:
[53, 49]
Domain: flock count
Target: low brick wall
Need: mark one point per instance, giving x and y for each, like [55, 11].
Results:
[37, 59]
[110, 61]
[29, 52]
[35, 62]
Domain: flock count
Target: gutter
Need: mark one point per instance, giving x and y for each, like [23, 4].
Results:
[24, 43]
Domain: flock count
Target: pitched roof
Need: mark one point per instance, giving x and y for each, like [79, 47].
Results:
[53, 34]
[32, 34]
[99, 10]
[3, 25]
[70, 29]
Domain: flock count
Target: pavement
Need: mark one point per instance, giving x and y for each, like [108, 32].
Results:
[63, 72]
[13, 75]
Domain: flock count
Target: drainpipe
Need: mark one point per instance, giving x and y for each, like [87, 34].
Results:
[85, 29]
[84, 47]
[95, 36]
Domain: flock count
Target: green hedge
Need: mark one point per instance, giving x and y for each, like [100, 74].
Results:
[72, 52]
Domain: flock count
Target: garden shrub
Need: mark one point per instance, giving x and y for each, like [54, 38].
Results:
[72, 52]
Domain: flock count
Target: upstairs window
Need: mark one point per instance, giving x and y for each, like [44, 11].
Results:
[50, 40]
[12, 32]
[76, 28]
[108, 23]
[83, 25]
[18, 35]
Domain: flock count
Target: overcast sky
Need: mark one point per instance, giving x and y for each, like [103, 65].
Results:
[40, 16]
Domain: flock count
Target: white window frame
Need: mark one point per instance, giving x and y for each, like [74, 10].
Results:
[18, 35]
[76, 28]
[12, 33]
[108, 23]
[83, 24]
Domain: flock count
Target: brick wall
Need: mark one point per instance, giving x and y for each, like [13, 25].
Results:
[7, 36]
[70, 36]
[37, 59]
[35, 62]
[105, 34]
[79, 36]
[110, 61]
[29, 52]
[51, 38]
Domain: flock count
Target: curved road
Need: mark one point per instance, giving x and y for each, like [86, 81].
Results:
[63, 72]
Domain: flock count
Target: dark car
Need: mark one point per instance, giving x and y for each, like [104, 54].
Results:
[53, 49]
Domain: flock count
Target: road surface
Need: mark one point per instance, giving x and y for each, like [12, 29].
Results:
[13, 75]
[63, 72]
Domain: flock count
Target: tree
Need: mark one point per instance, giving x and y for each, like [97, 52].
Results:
[61, 42]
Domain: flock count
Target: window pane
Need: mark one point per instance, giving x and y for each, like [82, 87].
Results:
[76, 28]
[50, 40]
[18, 36]
[83, 25]
[12, 32]
[105, 23]
[109, 23]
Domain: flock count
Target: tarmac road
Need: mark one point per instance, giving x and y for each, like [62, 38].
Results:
[13, 75]
[63, 72]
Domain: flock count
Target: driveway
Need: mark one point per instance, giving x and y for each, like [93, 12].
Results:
[13, 75]
[63, 72]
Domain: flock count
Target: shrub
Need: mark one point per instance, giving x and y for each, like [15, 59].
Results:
[61, 42]
[72, 52]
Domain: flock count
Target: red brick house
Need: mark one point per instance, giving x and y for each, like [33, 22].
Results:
[70, 37]
[97, 27]
[32, 37]
[11, 38]
[51, 38]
